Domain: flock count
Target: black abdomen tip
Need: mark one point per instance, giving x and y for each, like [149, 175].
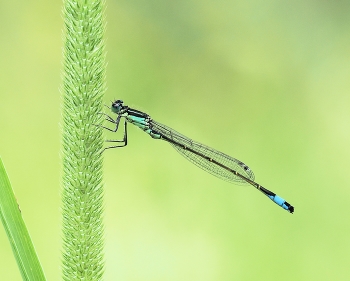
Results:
[290, 207]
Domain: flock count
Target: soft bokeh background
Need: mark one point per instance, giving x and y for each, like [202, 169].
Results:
[265, 81]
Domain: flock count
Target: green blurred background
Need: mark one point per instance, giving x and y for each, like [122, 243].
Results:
[264, 81]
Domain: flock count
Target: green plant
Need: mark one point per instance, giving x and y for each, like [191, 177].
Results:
[83, 88]
[17, 232]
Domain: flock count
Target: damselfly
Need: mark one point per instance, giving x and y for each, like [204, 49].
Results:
[217, 163]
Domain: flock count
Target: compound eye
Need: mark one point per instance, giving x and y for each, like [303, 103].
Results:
[116, 103]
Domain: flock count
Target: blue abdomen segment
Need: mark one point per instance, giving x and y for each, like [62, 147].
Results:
[278, 200]
[281, 202]
[153, 134]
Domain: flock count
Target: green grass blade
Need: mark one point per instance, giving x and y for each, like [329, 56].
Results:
[17, 232]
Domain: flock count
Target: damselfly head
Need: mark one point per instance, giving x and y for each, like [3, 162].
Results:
[117, 106]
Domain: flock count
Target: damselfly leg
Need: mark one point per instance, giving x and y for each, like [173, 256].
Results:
[124, 141]
[110, 119]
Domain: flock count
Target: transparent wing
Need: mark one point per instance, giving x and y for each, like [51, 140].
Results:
[201, 162]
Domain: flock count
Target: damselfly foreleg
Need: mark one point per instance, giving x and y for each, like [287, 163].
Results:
[124, 141]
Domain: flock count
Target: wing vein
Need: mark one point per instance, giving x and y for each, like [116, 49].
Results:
[180, 141]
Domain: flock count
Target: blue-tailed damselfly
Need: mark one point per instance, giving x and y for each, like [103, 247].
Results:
[209, 159]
